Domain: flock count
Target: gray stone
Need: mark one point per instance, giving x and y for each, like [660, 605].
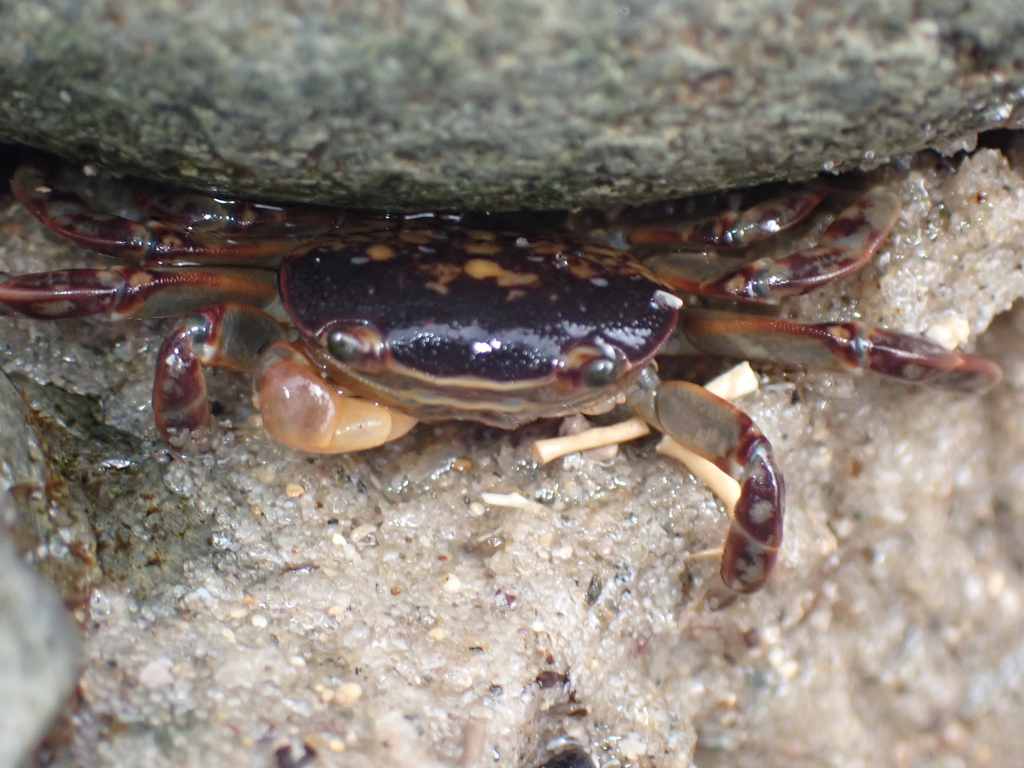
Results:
[40, 648]
[21, 456]
[503, 104]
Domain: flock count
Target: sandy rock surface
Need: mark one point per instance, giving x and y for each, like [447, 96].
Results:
[502, 104]
[258, 606]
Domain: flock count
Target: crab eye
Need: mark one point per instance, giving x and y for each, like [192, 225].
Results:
[355, 345]
[592, 365]
[344, 346]
[599, 373]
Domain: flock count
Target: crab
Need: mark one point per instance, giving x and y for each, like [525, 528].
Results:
[357, 326]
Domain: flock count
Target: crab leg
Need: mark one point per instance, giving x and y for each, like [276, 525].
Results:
[61, 209]
[211, 214]
[847, 346]
[732, 229]
[130, 292]
[226, 334]
[717, 431]
[846, 246]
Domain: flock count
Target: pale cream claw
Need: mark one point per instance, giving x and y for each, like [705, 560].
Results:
[304, 411]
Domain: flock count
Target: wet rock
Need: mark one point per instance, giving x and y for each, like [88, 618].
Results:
[511, 104]
[40, 647]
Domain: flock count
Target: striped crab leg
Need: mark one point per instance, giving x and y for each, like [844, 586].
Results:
[206, 231]
[227, 328]
[226, 334]
[653, 224]
[842, 346]
[120, 292]
[846, 246]
[724, 435]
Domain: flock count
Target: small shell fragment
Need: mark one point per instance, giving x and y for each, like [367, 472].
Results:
[348, 694]
[506, 500]
[950, 332]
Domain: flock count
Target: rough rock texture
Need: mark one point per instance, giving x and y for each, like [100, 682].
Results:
[270, 606]
[504, 104]
[39, 654]
[40, 647]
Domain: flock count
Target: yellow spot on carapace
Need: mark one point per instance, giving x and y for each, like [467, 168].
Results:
[481, 234]
[481, 269]
[380, 252]
[582, 270]
[441, 273]
[481, 249]
[546, 247]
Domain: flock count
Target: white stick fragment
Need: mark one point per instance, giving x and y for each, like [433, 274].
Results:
[707, 554]
[474, 741]
[547, 450]
[738, 381]
[723, 486]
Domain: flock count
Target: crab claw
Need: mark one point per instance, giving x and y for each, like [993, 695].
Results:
[303, 410]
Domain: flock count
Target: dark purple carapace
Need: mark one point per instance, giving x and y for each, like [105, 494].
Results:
[485, 308]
